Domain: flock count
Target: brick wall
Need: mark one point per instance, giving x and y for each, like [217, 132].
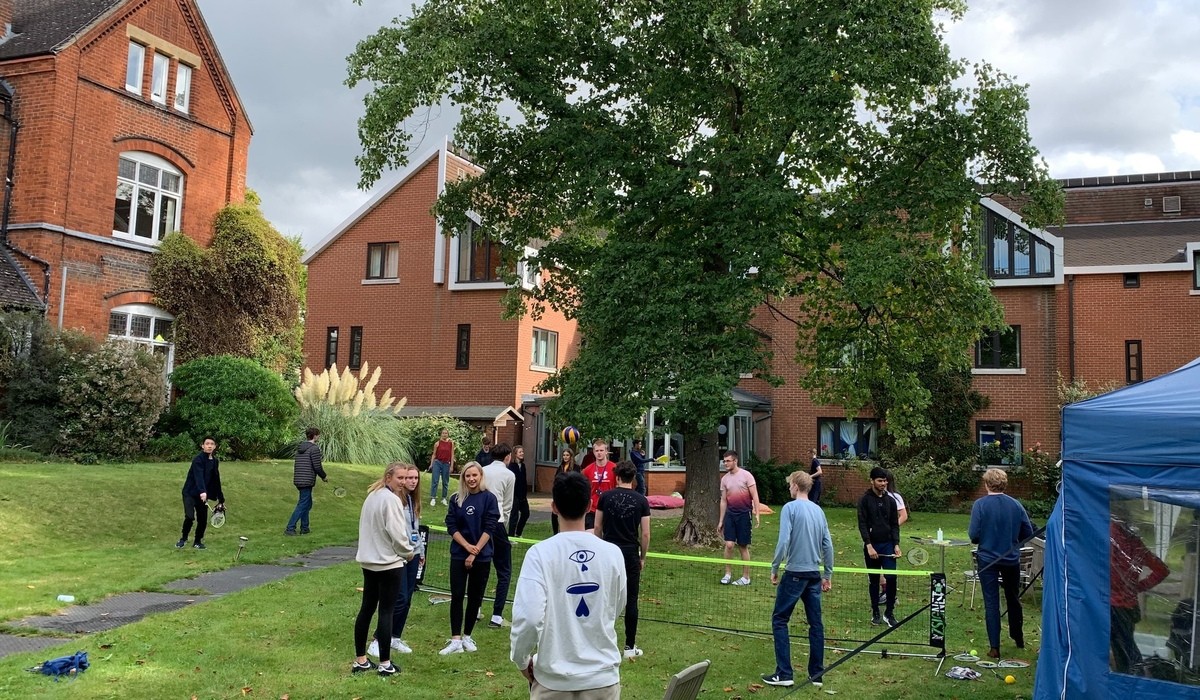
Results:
[77, 118]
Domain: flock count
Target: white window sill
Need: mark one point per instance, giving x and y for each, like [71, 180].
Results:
[385, 280]
[984, 371]
[147, 242]
[1194, 292]
[546, 370]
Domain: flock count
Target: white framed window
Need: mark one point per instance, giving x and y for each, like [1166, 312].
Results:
[149, 198]
[158, 78]
[545, 349]
[530, 272]
[183, 87]
[383, 261]
[134, 66]
[842, 438]
[146, 325]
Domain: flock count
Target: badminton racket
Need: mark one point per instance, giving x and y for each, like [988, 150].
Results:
[917, 556]
[218, 515]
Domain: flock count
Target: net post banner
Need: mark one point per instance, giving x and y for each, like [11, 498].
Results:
[423, 530]
[937, 611]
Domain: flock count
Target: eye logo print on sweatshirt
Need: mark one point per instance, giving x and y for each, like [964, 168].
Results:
[581, 589]
[582, 557]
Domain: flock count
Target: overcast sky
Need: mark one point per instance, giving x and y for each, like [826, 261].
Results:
[1114, 87]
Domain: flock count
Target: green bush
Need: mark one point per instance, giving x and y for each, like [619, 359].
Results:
[111, 399]
[771, 479]
[1044, 473]
[171, 448]
[368, 437]
[245, 407]
[423, 432]
[34, 392]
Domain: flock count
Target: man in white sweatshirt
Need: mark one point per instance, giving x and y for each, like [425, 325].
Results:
[501, 482]
[571, 589]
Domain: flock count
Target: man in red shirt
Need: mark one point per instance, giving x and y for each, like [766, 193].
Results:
[602, 475]
[1129, 557]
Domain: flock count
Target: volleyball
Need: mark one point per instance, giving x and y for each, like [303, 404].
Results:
[570, 435]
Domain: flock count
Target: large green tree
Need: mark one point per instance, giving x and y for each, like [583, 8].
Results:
[685, 166]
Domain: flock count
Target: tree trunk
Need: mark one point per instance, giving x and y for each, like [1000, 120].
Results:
[702, 502]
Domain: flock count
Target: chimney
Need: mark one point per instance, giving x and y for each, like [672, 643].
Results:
[6, 18]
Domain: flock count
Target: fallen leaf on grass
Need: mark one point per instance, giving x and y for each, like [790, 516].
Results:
[756, 686]
[30, 587]
[246, 690]
[728, 689]
[106, 646]
[283, 697]
[490, 674]
[196, 670]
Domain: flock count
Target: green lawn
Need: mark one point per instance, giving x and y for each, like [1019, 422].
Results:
[294, 637]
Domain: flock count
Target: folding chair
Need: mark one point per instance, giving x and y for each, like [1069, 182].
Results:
[685, 685]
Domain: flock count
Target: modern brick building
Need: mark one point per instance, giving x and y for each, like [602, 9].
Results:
[121, 125]
[1112, 297]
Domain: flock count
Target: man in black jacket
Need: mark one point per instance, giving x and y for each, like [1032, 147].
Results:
[879, 526]
[304, 475]
[203, 484]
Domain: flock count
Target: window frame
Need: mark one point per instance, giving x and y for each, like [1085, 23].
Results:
[548, 339]
[141, 160]
[1196, 270]
[467, 248]
[462, 347]
[354, 360]
[1131, 280]
[183, 77]
[995, 226]
[138, 64]
[997, 429]
[160, 71]
[826, 450]
[156, 316]
[331, 345]
[386, 248]
[1134, 362]
[997, 350]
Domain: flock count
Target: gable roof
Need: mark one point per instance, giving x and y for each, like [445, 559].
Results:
[43, 26]
[15, 288]
[1130, 243]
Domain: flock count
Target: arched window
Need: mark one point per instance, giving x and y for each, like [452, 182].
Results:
[149, 197]
[146, 325]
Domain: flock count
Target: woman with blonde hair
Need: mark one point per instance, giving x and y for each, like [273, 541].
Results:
[384, 548]
[471, 520]
[410, 497]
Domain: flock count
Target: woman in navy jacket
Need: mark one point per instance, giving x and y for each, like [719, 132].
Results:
[471, 520]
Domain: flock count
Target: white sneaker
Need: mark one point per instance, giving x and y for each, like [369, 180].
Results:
[496, 621]
[743, 581]
[454, 647]
[399, 645]
[632, 652]
[726, 579]
[432, 502]
[373, 648]
[468, 644]
[444, 502]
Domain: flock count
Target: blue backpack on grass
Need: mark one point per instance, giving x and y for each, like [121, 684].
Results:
[64, 665]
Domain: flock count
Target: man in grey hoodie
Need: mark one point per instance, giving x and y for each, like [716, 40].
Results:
[304, 475]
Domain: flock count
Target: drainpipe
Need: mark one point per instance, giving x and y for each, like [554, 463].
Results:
[1071, 328]
[6, 96]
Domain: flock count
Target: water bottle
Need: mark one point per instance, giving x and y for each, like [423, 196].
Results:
[939, 537]
[66, 598]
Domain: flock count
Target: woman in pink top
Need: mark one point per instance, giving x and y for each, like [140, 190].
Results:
[441, 464]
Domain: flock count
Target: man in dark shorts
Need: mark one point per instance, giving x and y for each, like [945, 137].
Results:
[623, 518]
[739, 498]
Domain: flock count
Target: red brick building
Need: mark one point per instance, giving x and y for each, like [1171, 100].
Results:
[1112, 297]
[389, 287]
[121, 124]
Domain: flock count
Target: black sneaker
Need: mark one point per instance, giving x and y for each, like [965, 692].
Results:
[180, 544]
[356, 667]
[776, 680]
[882, 597]
[305, 532]
[199, 545]
[891, 620]
[390, 670]
[290, 533]
[876, 619]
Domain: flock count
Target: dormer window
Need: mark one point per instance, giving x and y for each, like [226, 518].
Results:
[1012, 252]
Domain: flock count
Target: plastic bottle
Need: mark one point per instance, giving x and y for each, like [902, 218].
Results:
[939, 537]
[67, 598]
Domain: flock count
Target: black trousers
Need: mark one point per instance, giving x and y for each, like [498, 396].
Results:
[502, 562]
[194, 510]
[470, 584]
[633, 581]
[520, 516]
[1125, 651]
[379, 595]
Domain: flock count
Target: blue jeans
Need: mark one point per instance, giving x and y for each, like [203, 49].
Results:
[795, 587]
[303, 507]
[990, 579]
[404, 595]
[441, 470]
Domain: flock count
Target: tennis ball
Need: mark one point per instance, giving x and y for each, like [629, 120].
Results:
[1010, 680]
[974, 653]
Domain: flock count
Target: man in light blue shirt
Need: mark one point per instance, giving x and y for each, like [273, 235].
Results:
[805, 543]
